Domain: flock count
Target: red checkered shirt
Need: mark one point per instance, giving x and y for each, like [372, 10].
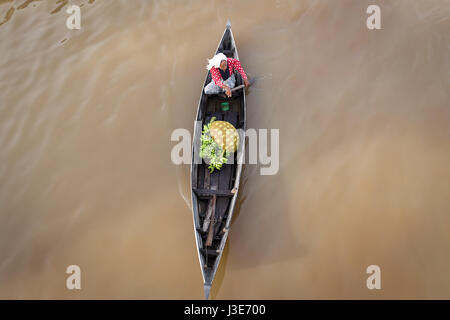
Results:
[232, 63]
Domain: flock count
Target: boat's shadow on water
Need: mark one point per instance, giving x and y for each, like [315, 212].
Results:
[262, 231]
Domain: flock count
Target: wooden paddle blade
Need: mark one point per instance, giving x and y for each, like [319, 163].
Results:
[250, 83]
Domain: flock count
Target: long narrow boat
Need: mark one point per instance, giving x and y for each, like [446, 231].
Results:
[214, 194]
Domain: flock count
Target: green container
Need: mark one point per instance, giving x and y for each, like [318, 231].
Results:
[225, 106]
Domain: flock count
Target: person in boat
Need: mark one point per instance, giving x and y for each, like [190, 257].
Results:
[222, 73]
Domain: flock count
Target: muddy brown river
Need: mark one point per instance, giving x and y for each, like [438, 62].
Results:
[86, 176]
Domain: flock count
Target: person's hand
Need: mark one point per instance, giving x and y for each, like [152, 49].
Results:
[246, 83]
[227, 91]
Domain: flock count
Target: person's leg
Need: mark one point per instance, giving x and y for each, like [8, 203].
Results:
[212, 88]
[231, 81]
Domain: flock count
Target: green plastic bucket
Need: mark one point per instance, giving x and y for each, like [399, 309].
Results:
[225, 106]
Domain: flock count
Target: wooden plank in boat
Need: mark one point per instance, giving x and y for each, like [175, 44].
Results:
[211, 252]
[209, 213]
[207, 193]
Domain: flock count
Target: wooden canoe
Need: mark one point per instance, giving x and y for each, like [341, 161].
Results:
[214, 194]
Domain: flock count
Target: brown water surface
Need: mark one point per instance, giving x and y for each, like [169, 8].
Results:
[85, 172]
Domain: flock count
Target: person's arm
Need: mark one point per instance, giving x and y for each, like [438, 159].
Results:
[217, 78]
[237, 64]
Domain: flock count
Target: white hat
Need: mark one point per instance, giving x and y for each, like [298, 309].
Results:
[215, 61]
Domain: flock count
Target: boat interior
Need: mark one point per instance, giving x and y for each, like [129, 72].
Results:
[214, 190]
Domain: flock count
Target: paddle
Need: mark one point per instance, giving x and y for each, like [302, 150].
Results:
[250, 82]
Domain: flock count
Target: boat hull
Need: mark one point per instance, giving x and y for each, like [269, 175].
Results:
[218, 190]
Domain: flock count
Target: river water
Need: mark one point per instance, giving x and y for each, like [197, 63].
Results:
[86, 176]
